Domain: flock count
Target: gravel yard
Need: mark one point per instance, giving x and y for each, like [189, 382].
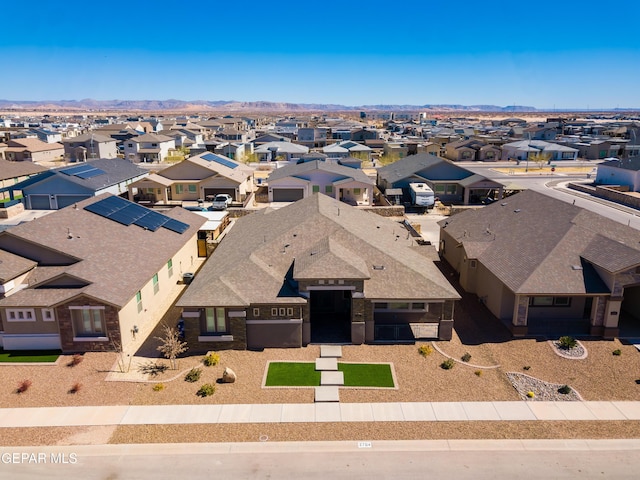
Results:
[599, 376]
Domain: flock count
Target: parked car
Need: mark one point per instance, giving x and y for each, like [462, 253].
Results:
[221, 201]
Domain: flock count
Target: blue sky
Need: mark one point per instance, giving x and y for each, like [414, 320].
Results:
[570, 54]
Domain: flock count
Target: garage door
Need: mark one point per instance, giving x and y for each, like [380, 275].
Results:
[209, 193]
[287, 194]
[66, 200]
[39, 202]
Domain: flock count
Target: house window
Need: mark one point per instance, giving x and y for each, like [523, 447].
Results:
[193, 188]
[549, 301]
[156, 285]
[289, 312]
[139, 301]
[417, 306]
[22, 315]
[179, 188]
[473, 263]
[438, 188]
[88, 321]
[315, 188]
[130, 145]
[398, 306]
[256, 312]
[328, 189]
[215, 321]
[274, 312]
[282, 312]
[356, 191]
[170, 267]
[47, 315]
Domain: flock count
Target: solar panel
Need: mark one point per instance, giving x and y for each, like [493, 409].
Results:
[107, 206]
[129, 214]
[152, 221]
[90, 173]
[77, 169]
[176, 226]
[210, 157]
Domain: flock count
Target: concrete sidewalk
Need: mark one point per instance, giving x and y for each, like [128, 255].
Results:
[317, 413]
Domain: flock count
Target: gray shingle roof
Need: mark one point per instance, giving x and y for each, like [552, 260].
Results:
[302, 169]
[251, 263]
[116, 259]
[407, 166]
[116, 170]
[18, 169]
[533, 243]
[12, 266]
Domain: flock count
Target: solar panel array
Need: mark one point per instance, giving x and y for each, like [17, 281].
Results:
[83, 171]
[128, 213]
[210, 157]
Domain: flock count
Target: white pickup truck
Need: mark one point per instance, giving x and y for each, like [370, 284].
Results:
[221, 201]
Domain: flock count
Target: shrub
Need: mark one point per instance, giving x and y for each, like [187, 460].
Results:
[531, 394]
[526, 367]
[565, 389]
[158, 387]
[425, 350]
[617, 352]
[75, 388]
[193, 375]
[478, 373]
[211, 360]
[76, 360]
[447, 364]
[567, 342]
[206, 390]
[23, 386]
[466, 357]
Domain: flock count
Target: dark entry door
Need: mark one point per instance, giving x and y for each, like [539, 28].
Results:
[330, 316]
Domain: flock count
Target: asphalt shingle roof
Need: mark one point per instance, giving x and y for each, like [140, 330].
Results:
[536, 244]
[251, 264]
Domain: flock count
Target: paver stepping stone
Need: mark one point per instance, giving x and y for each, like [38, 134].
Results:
[331, 351]
[328, 363]
[331, 378]
[327, 394]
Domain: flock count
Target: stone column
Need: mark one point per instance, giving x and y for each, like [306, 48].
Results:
[519, 326]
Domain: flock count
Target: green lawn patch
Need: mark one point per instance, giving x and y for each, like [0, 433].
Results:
[29, 356]
[367, 375]
[298, 374]
[290, 374]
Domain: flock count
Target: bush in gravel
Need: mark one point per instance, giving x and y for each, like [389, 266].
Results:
[478, 373]
[76, 360]
[211, 360]
[617, 352]
[206, 390]
[75, 388]
[531, 394]
[447, 364]
[425, 350]
[193, 375]
[23, 386]
[567, 342]
[466, 357]
[158, 387]
[564, 390]
[526, 367]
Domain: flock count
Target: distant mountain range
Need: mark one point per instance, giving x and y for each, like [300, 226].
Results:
[223, 105]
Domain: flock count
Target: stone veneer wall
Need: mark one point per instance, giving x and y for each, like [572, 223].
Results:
[112, 323]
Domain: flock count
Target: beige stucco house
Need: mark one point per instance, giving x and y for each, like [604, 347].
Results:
[544, 266]
[201, 177]
[92, 276]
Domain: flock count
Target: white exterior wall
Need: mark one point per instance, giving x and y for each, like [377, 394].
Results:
[618, 176]
[154, 305]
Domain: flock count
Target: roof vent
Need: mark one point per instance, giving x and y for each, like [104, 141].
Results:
[576, 267]
[517, 210]
[378, 267]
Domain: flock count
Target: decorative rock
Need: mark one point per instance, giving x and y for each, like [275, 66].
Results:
[228, 376]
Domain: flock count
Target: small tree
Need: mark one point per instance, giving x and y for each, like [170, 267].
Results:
[541, 158]
[171, 346]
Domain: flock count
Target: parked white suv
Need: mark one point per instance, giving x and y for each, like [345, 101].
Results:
[221, 201]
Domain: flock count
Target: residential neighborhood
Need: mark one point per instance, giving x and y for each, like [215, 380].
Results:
[460, 253]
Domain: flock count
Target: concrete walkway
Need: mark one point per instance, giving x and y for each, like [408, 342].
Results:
[318, 413]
